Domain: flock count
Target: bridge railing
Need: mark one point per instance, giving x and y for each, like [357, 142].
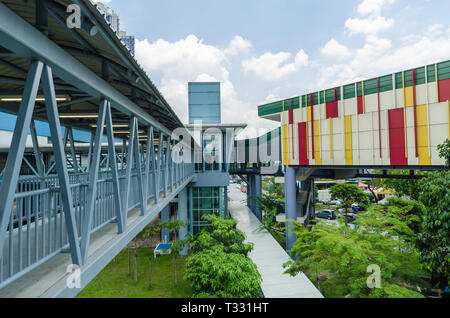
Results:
[37, 230]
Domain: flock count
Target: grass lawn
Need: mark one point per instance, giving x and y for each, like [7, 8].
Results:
[114, 281]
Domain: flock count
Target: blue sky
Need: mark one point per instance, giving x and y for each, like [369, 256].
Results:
[265, 50]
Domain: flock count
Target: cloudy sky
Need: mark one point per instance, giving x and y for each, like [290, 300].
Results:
[266, 50]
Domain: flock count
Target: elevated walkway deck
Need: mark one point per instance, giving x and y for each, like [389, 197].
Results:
[269, 256]
[49, 280]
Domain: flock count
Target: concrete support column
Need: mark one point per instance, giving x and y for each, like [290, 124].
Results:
[165, 216]
[258, 191]
[183, 216]
[290, 192]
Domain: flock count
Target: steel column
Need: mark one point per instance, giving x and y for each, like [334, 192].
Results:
[290, 189]
[165, 216]
[183, 216]
[257, 193]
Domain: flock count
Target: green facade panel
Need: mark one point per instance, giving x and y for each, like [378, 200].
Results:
[422, 75]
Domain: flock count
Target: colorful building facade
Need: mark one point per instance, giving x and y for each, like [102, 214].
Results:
[393, 120]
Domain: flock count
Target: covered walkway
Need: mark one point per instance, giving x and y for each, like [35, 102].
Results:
[269, 256]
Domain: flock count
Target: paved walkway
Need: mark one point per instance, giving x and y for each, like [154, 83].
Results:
[269, 256]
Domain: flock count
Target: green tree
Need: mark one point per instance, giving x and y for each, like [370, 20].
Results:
[444, 152]
[174, 226]
[214, 273]
[406, 186]
[348, 194]
[223, 233]
[149, 232]
[434, 239]
[336, 258]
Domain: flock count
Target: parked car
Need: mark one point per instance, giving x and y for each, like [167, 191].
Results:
[326, 214]
[350, 217]
[335, 202]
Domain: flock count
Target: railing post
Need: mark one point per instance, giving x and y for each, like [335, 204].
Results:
[61, 164]
[166, 164]
[15, 155]
[154, 168]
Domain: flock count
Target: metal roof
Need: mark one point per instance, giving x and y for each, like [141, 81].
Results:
[97, 47]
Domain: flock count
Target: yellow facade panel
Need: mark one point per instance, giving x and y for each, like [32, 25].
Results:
[348, 141]
[422, 138]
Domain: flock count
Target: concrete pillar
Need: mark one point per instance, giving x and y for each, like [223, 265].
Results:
[290, 193]
[165, 216]
[183, 216]
[258, 191]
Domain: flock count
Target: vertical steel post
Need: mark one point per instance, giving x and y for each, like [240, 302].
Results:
[15, 155]
[61, 165]
[165, 216]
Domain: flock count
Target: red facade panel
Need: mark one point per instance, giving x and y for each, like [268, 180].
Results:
[397, 140]
[303, 144]
[360, 105]
[444, 90]
[332, 110]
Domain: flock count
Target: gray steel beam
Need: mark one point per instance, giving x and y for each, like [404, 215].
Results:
[115, 172]
[61, 168]
[130, 159]
[93, 178]
[15, 156]
[138, 158]
[26, 41]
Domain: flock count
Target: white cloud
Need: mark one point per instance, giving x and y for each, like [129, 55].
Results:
[237, 45]
[190, 60]
[436, 29]
[368, 26]
[271, 66]
[372, 6]
[334, 49]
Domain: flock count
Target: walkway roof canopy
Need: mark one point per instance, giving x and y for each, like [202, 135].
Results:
[96, 46]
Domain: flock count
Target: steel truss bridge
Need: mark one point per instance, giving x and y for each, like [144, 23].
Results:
[81, 79]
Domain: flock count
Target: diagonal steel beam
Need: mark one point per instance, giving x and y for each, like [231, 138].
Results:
[115, 172]
[130, 160]
[15, 156]
[93, 179]
[61, 166]
[138, 159]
